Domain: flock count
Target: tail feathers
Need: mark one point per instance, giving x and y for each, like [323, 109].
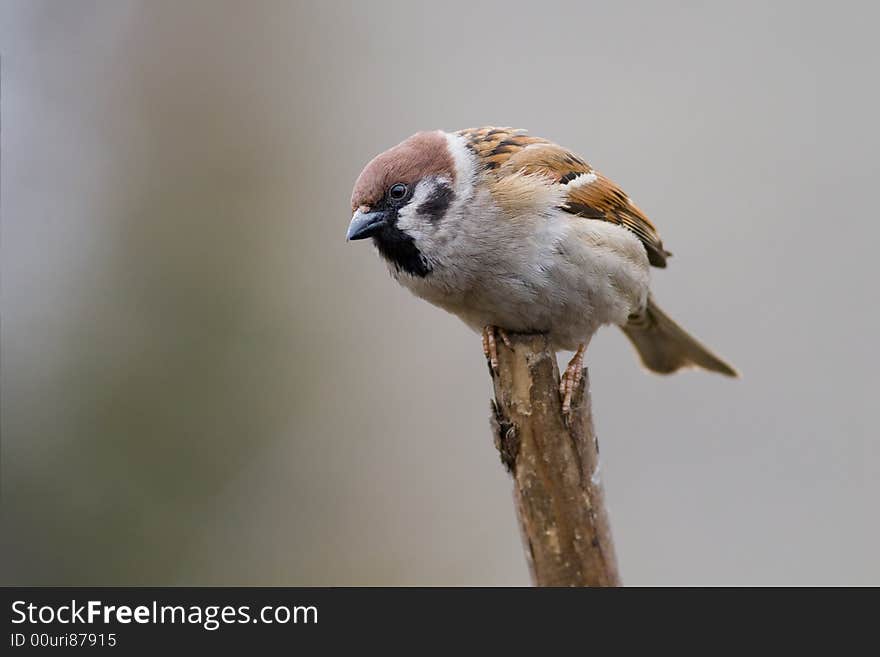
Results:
[665, 347]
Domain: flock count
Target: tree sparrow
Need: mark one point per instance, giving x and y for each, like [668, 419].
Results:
[512, 232]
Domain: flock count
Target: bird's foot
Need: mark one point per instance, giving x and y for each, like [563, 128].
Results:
[570, 380]
[490, 347]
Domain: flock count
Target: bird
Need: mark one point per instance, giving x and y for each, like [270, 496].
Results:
[514, 233]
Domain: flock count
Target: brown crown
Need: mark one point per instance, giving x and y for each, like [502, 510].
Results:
[423, 154]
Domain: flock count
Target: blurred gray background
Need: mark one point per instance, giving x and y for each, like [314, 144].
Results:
[203, 383]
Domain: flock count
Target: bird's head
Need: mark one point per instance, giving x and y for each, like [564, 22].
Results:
[403, 197]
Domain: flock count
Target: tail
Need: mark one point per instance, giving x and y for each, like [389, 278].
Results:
[665, 347]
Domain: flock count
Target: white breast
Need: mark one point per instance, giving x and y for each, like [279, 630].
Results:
[551, 273]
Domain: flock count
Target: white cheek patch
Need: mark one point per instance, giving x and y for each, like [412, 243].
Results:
[408, 219]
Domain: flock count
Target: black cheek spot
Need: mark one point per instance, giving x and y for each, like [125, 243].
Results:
[435, 206]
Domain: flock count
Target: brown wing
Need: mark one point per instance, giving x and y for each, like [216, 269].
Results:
[495, 146]
[589, 194]
[602, 199]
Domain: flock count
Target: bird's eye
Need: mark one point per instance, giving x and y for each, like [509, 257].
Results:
[397, 192]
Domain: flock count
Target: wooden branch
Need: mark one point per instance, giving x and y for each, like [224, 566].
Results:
[555, 467]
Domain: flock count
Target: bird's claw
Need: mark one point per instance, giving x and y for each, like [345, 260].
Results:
[490, 346]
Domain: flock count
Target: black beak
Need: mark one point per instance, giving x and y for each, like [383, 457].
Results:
[365, 224]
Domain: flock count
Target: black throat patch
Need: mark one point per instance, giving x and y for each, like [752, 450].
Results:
[400, 249]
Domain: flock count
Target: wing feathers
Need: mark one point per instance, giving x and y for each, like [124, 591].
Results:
[602, 199]
[586, 193]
